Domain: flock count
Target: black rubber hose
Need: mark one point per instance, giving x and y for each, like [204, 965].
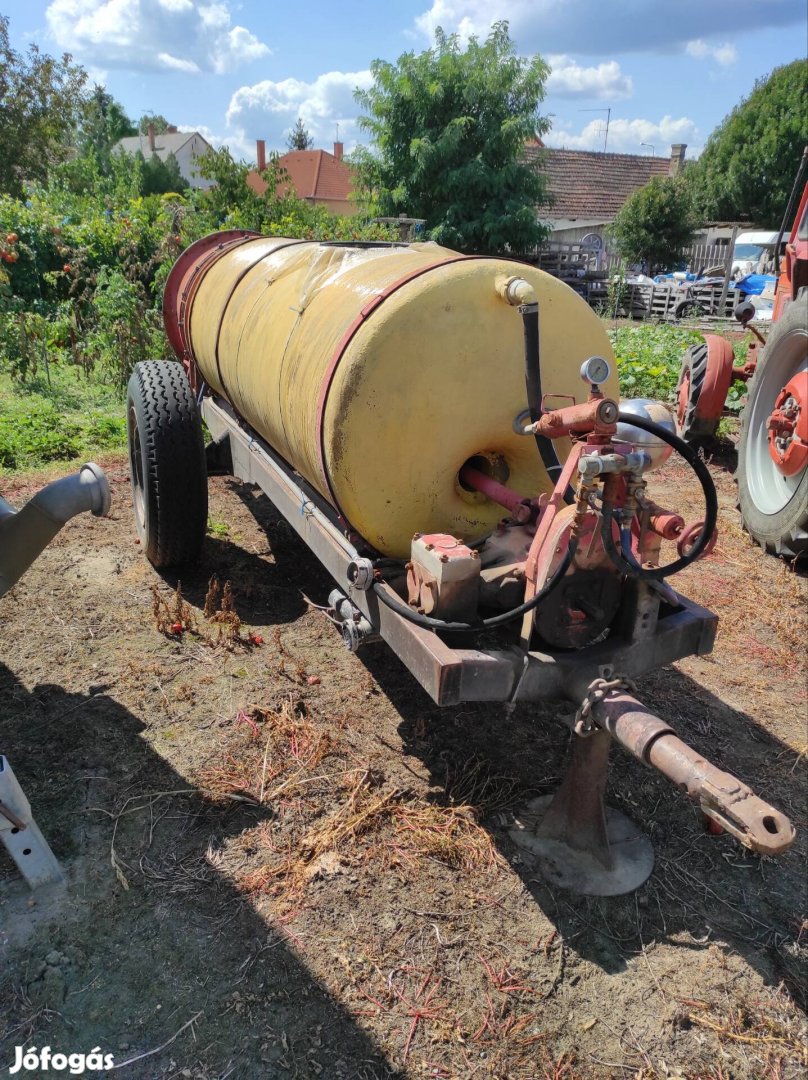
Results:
[624, 559]
[429, 623]
[549, 457]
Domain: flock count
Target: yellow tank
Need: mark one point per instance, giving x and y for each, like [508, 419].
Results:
[377, 372]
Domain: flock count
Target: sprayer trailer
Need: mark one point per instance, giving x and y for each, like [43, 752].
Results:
[444, 433]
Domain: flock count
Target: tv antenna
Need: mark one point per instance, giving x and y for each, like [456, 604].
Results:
[608, 112]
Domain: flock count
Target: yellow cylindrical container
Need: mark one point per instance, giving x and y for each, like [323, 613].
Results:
[378, 371]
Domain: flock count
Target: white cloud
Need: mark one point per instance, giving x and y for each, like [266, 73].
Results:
[593, 27]
[627, 136]
[267, 110]
[153, 35]
[725, 54]
[570, 79]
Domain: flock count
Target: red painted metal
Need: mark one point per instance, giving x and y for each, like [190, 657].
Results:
[794, 269]
[666, 524]
[788, 427]
[521, 509]
[688, 537]
[182, 283]
[579, 419]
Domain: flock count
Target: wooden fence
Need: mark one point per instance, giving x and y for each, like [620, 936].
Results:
[662, 301]
[701, 256]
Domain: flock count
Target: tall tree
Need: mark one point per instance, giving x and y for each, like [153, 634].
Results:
[749, 162]
[448, 127]
[299, 138]
[40, 100]
[103, 124]
[656, 224]
[159, 121]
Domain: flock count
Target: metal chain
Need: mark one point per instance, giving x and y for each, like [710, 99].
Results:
[597, 690]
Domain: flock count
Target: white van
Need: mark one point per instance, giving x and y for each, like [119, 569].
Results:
[753, 253]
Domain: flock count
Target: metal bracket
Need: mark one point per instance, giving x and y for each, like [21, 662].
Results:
[20, 833]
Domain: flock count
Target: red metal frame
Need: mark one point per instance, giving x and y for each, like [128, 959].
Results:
[182, 283]
[794, 270]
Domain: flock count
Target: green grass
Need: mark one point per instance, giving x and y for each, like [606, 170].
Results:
[71, 417]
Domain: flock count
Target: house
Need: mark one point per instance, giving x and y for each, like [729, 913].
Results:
[186, 146]
[589, 188]
[315, 175]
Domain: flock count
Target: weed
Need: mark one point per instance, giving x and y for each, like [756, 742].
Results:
[218, 528]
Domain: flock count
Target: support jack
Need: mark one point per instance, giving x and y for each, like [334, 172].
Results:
[579, 843]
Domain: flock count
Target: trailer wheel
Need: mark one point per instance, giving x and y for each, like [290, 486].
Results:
[773, 449]
[167, 463]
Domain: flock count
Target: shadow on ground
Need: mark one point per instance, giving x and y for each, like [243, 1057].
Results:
[208, 954]
[703, 887]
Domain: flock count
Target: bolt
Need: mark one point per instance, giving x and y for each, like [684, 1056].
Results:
[444, 558]
[430, 547]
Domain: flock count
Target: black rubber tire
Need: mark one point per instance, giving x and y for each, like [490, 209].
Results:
[167, 463]
[688, 309]
[784, 532]
[695, 429]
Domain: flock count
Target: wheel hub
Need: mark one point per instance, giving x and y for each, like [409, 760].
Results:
[788, 427]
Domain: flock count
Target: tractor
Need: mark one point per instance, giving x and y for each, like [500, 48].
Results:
[772, 472]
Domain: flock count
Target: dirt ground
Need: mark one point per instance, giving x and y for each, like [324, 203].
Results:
[284, 861]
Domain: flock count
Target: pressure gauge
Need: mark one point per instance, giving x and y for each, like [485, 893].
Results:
[595, 370]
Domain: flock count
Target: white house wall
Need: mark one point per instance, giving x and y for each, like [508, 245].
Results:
[186, 159]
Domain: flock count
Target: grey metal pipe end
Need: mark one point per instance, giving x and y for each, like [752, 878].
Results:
[86, 490]
[96, 480]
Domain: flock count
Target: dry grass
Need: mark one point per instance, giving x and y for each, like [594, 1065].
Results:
[380, 826]
[219, 625]
[273, 752]
[772, 1027]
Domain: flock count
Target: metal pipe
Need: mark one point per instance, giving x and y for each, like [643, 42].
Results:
[520, 508]
[721, 796]
[26, 533]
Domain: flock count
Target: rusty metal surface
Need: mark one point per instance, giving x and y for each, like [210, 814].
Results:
[724, 798]
[451, 675]
[579, 843]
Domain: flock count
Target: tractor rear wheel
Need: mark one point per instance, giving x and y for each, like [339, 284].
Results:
[773, 449]
[167, 462]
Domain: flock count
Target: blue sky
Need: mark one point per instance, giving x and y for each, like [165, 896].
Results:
[238, 71]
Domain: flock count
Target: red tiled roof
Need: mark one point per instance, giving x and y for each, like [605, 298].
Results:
[585, 184]
[314, 174]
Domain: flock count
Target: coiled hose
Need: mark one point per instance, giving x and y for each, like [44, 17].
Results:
[623, 558]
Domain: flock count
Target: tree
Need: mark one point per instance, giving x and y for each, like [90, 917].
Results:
[749, 162]
[159, 177]
[40, 99]
[160, 123]
[299, 138]
[656, 224]
[449, 126]
[103, 124]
